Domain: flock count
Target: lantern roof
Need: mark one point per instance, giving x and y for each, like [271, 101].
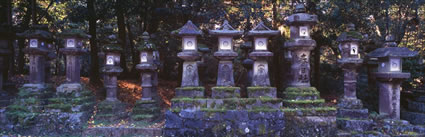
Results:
[112, 45]
[73, 31]
[145, 44]
[300, 17]
[392, 52]
[37, 31]
[350, 35]
[189, 29]
[262, 30]
[225, 30]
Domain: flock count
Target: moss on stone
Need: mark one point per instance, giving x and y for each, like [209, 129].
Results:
[184, 99]
[309, 111]
[318, 101]
[62, 107]
[302, 89]
[213, 110]
[255, 89]
[355, 34]
[142, 116]
[191, 88]
[226, 89]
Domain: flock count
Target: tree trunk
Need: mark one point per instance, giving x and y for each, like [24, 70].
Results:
[134, 52]
[21, 41]
[34, 11]
[94, 59]
[122, 35]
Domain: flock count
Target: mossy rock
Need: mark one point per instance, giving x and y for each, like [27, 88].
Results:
[226, 92]
[141, 117]
[62, 107]
[301, 89]
[193, 92]
[301, 95]
[152, 110]
[191, 88]
[316, 111]
[303, 103]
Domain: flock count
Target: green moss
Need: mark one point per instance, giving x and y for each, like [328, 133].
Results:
[191, 88]
[265, 89]
[226, 89]
[308, 111]
[142, 116]
[355, 34]
[302, 89]
[304, 101]
[63, 107]
[214, 110]
[184, 99]
[176, 110]
[138, 102]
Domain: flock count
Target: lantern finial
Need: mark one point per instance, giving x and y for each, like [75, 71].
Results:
[351, 27]
[145, 36]
[300, 8]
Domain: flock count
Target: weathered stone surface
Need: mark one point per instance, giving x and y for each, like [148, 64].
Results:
[67, 89]
[254, 92]
[194, 92]
[353, 113]
[310, 126]
[416, 106]
[190, 76]
[224, 123]
[122, 131]
[225, 92]
[111, 111]
[413, 117]
[354, 124]
[261, 74]
[225, 74]
[348, 103]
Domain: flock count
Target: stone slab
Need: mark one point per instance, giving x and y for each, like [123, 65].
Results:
[416, 106]
[307, 126]
[225, 92]
[192, 92]
[413, 117]
[355, 124]
[353, 113]
[254, 92]
[123, 131]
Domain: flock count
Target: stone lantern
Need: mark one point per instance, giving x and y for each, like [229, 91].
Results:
[350, 109]
[112, 67]
[260, 85]
[111, 109]
[6, 35]
[300, 46]
[73, 43]
[225, 53]
[350, 59]
[37, 50]
[149, 100]
[390, 75]
[190, 79]
[146, 66]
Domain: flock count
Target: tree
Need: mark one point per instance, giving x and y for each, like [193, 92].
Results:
[94, 67]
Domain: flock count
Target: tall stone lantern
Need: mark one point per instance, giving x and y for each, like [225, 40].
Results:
[350, 109]
[6, 35]
[73, 43]
[260, 85]
[38, 39]
[300, 46]
[225, 82]
[112, 67]
[350, 59]
[390, 75]
[190, 79]
[148, 106]
[111, 109]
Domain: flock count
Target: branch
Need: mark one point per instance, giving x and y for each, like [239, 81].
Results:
[45, 12]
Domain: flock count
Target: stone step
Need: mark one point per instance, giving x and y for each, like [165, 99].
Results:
[315, 111]
[353, 113]
[255, 92]
[301, 95]
[72, 100]
[350, 133]
[145, 110]
[228, 103]
[123, 131]
[225, 92]
[141, 117]
[192, 92]
[413, 117]
[416, 106]
[350, 103]
[303, 103]
[359, 125]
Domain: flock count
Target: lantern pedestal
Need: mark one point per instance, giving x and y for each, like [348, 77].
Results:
[225, 82]
[73, 66]
[415, 112]
[190, 79]
[111, 109]
[260, 86]
[148, 107]
[389, 93]
[37, 72]
[300, 65]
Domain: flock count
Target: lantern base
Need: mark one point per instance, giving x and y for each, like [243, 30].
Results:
[225, 92]
[190, 92]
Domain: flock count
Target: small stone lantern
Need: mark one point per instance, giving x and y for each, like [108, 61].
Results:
[225, 81]
[146, 66]
[6, 35]
[112, 67]
[350, 59]
[390, 75]
[149, 100]
[190, 79]
[300, 46]
[260, 85]
[37, 50]
[73, 43]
